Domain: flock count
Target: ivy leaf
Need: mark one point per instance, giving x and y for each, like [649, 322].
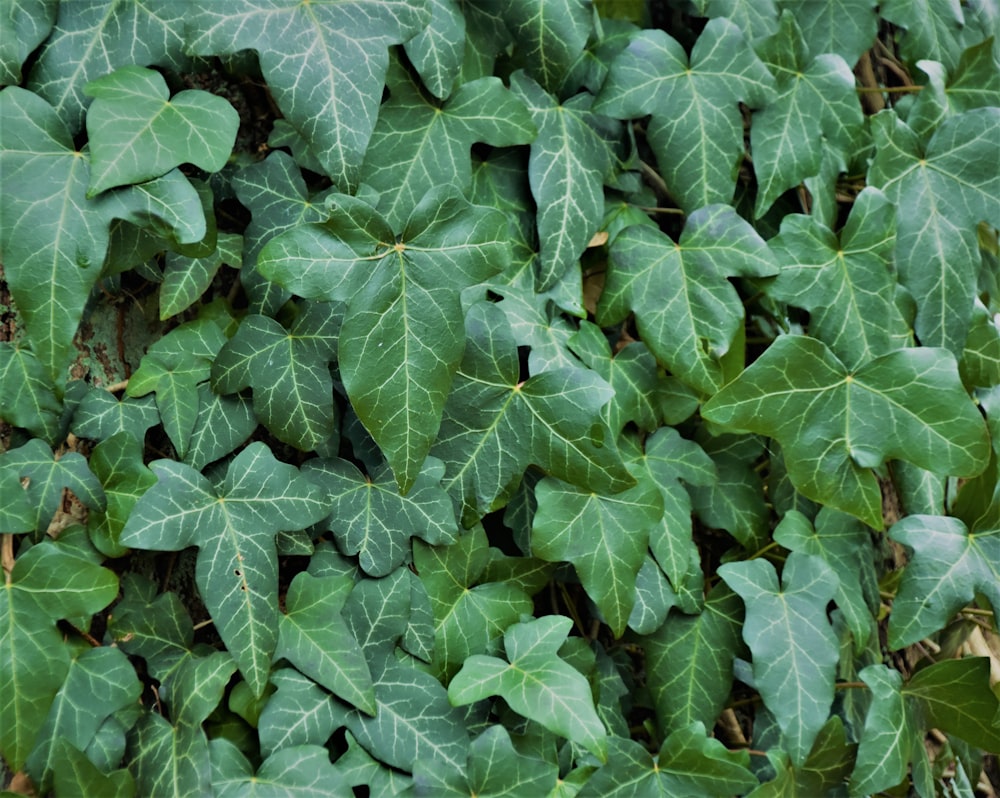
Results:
[844, 27]
[46, 478]
[77, 772]
[359, 769]
[686, 311]
[605, 537]
[788, 632]
[117, 463]
[303, 771]
[100, 415]
[27, 398]
[494, 426]
[315, 639]
[941, 194]
[56, 238]
[949, 565]
[689, 765]
[536, 683]
[47, 583]
[91, 39]
[567, 166]
[470, 611]
[299, 713]
[816, 111]
[234, 529]
[26, 25]
[99, 682]
[186, 279]
[699, 151]
[289, 373]
[823, 773]
[402, 337]
[322, 61]
[932, 29]
[371, 519]
[222, 424]
[438, 50]
[418, 144]
[549, 37]
[136, 133]
[834, 425]
[847, 282]
[693, 659]
[495, 770]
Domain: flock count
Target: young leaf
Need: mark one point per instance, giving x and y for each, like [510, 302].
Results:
[941, 193]
[371, 519]
[536, 683]
[136, 133]
[698, 151]
[834, 425]
[117, 463]
[234, 530]
[948, 567]
[315, 639]
[289, 372]
[46, 584]
[323, 61]
[494, 426]
[686, 310]
[788, 633]
[689, 765]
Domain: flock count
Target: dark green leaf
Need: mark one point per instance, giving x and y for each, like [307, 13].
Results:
[26, 396]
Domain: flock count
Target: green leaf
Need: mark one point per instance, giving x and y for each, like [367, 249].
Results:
[46, 584]
[322, 60]
[77, 773]
[222, 424]
[756, 18]
[845, 545]
[117, 463]
[689, 765]
[299, 713]
[941, 194]
[834, 425]
[418, 143]
[371, 519]
[847, 282]
[471, 611]
[956, 698]
[844, 27]
[27, 398]
[438, 50]
[698, 151]
[536, 683]
[816, 110]
[549, 36]
[359, 769]
[99, 415]
[92, 39]
[234, 529]
[186, 279]
[932, 29]
[138, 132]
[686, 311]
[605, 537]
[823, 772]
[788, 632]
[289, 373]
[569, 160]
[495, 770]
[99, 682]
[301, 771]
[45, 478]
[402, 337]
[315, 639]
[26, 25]
[948, 567]
[494, 426]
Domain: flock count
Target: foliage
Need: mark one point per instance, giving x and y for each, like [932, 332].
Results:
[554, 401]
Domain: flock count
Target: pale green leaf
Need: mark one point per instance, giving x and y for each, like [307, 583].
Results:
[835, 425]
[843, 27]
[932, 28]
[788, 633]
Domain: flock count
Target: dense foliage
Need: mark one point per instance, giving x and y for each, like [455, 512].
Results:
[409, 397]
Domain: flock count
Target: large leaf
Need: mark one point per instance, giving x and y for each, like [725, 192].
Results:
[847, 282]
[324, 61]
[46, 584]
[138, 132]
[788, 632]
[948, 567]
[696, 130]
[495, 426]
[536, 683]
[234, 529]
[834, 425]
[815, 114]
[844, 27]
[402, 337]
[418, 144]
[687, 312]
[942, 193]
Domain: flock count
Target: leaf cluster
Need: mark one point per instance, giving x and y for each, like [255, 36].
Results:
[546, 398]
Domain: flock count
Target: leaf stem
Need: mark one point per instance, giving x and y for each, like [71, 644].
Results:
[655, 209]
[887, 89]
[115, 387]
[202, 625]
[7, 556]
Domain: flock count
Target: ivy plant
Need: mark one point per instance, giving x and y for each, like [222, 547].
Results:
[545, 398]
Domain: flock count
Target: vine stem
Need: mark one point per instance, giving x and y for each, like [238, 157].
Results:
[7, 556]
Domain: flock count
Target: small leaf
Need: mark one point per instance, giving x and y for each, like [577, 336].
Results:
[834, 425]
[117, 463]
[299, 713]
[186, 279]
[536, 683]
[27, 398]
[99, 415]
